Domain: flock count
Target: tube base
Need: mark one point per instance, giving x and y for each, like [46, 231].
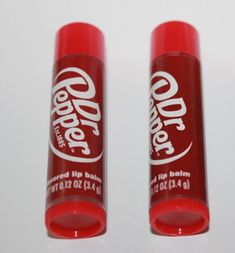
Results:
[179, 217]
[75, 219]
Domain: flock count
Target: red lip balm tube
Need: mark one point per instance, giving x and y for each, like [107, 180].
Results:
[178, 198]
[75, 204]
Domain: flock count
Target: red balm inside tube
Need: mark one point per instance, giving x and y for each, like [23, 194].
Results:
[178, 198]
[75, 204]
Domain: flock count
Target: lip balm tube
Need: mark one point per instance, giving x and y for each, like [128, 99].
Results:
[75, 203]
[178, 197]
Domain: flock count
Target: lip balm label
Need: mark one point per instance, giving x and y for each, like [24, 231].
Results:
[167, 111]
[176, 142]
[76, 133]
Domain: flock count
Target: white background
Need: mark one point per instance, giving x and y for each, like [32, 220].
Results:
[27, 30]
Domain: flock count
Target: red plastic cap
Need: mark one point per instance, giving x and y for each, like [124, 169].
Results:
[181, 216]
[174, 37]
[79, 38]
[75, 219]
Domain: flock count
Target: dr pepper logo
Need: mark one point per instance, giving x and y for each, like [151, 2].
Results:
[167, 113]
[75, 117]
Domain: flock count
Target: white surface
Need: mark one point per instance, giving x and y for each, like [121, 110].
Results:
[27, 31]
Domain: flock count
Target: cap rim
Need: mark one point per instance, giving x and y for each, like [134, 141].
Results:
[180, 22]
[79, 208]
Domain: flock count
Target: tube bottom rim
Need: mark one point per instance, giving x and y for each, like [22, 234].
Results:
[179, 217]
[75, 219]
